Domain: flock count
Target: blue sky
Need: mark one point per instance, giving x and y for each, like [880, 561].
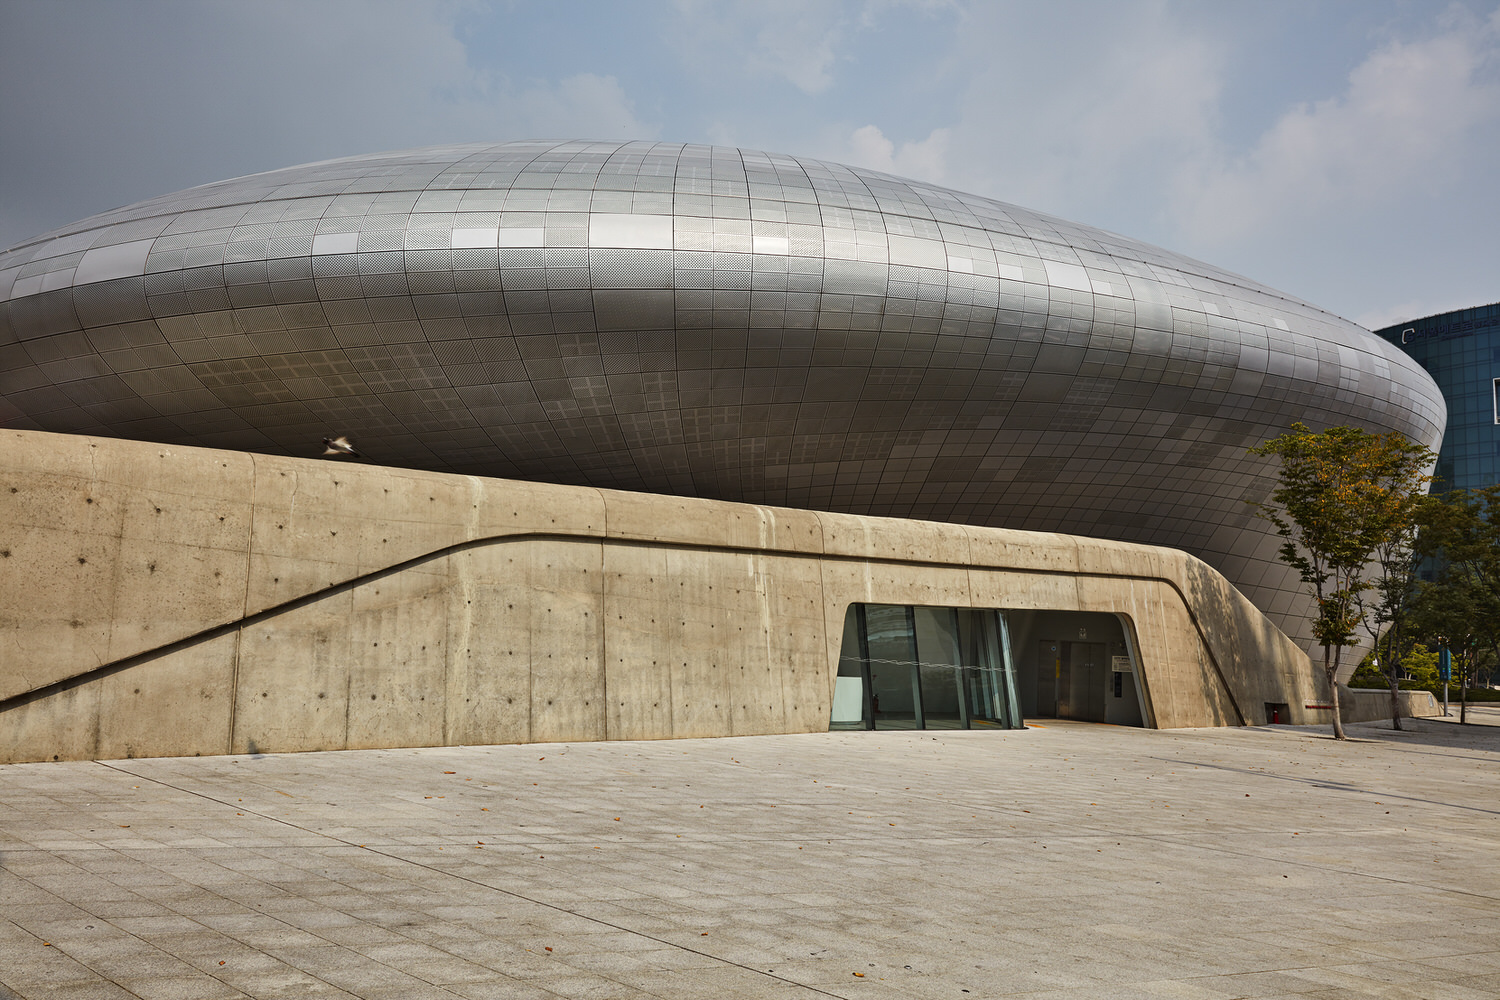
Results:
[1344, 151]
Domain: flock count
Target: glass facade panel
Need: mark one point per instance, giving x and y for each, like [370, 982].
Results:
[895, 688]
[988, 671]
[903, 667]
[939, 666]
[1461, 351]
[851, 686]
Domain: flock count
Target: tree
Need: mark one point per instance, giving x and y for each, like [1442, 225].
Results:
[1464, 603]
[1399, 550]
[1446, 612]
[1341, 495]
[1419, 665]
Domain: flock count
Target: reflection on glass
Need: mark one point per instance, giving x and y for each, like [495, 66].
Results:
[849, 709]
[940, 664]
[906, 667]
[895, 695]
[987, 675]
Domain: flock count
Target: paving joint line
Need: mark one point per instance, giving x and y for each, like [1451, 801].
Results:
[261, 912]
[463, 878]
[186, 916]
[1316, 867]
[1333, 786]
[80, 962]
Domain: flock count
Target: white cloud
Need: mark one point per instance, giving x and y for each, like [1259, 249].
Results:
[1367, 188]
[788, 39]
[1407, 122]
[868, 147]
[199, 92]
[925, 160]
[584, 105]
[1133, 93]
[1276, 140]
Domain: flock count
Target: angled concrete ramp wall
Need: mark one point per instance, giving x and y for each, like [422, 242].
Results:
[158, 600]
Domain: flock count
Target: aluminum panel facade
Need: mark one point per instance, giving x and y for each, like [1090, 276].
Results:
[704, 321]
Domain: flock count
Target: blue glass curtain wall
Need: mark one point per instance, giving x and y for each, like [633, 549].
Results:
[904, 667]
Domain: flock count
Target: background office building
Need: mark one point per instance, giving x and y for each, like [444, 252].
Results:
[1461, 351]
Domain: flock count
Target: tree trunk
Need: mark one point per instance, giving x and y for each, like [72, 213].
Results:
[1463, 693]
[1393, 674]
[1330, 671]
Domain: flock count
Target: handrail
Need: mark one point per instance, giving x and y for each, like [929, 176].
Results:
[216, 631]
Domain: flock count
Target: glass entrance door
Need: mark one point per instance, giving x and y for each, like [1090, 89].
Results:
[939, 664]
[895, 681]
[988, 682]
[904, 667]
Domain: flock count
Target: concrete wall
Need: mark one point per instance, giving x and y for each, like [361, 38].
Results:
[1373, 705]
[157, 600]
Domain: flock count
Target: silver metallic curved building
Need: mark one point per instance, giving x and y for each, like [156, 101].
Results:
[703, 321]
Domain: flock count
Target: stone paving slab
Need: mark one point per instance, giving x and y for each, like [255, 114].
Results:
[1068, 860]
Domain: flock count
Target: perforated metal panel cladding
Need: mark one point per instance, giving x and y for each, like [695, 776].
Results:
[704, 321]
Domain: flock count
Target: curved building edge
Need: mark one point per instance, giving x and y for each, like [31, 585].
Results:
[167, 601]
[699, 321]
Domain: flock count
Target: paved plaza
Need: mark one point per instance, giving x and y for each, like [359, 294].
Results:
[1067, 860]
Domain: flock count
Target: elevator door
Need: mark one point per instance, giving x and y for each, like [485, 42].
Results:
[1082, 681]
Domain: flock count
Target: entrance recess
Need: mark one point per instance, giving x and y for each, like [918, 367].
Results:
[904, 667]
[1077, 665]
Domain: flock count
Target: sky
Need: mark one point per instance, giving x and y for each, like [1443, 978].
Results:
[1346, 152]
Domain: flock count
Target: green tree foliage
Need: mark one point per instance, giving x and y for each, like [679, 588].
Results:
[1465, 532]
[1421, 665]
[1384, 605]
[1418, 672]
[1342, 497]
[1445, 612]
[1463, 604]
